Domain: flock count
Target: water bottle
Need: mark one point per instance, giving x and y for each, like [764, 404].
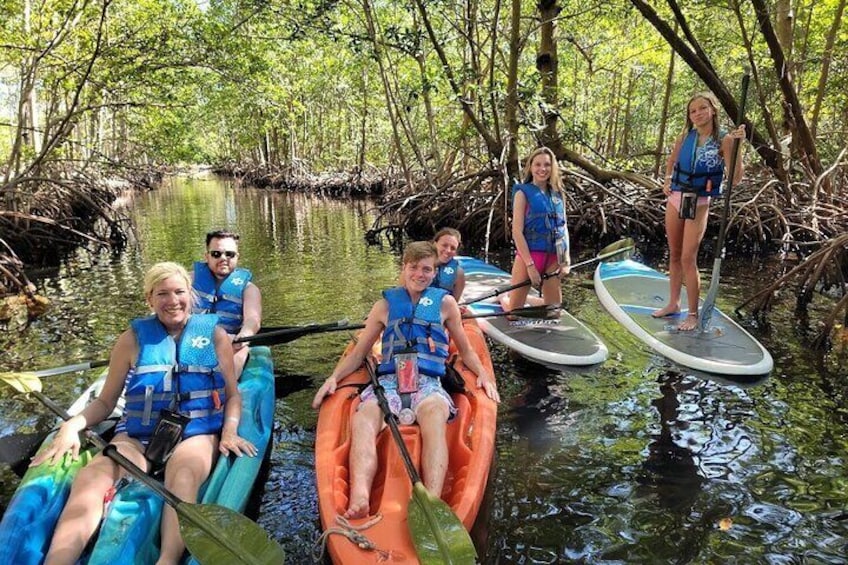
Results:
[406, 417]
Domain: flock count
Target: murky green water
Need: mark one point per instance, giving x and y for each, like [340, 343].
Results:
[633, 461]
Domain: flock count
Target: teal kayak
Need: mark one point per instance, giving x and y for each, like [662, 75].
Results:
[130, 529]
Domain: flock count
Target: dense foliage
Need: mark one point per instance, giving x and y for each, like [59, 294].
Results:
[332, 85]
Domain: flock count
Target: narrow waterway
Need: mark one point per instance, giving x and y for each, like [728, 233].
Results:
[635, 461]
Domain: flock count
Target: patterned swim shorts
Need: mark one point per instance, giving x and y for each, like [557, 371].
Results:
[427, 386]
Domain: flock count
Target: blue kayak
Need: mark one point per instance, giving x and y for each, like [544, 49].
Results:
[130, 529]
[562, 340]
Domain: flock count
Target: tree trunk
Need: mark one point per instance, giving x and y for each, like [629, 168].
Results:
[511, 102]
[805, 143]
[669, 80]
[547, 64]
[826, 60]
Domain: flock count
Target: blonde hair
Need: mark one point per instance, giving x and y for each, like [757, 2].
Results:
[448, 231]
[418, 250]
[161, 271]
[713, 102]
[555, 182]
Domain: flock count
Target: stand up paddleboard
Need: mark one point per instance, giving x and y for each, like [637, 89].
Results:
[630, 291]
[558, 341]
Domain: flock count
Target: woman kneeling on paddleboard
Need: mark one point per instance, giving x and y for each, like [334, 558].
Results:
[414, 320]
[694, 170]
[181, 393]
[539, 231]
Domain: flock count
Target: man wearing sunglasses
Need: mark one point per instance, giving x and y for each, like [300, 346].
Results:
[223, 288]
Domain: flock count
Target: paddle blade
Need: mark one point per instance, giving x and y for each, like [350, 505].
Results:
[215, 534]
[22, 382]
[624, 245]
[437, 533]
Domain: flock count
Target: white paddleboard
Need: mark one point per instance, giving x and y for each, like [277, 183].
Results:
[630, 291]
[559, 341]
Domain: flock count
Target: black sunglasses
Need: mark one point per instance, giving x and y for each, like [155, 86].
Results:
[217, 254]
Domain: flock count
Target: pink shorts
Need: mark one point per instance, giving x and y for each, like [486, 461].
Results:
[676, 198]
[541, 259]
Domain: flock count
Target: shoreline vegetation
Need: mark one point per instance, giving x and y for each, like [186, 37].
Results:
[807, 233]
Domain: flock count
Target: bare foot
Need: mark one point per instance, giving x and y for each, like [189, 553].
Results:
[358, 508]
[689, 324]
[667, 310]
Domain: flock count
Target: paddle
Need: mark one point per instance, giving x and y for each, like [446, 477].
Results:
[437, 533]
[611, 250]
[526, 312]
[709, 301]
[287, 334]
[212, 533]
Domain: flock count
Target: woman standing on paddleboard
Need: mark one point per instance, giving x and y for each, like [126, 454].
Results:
[694, 172]
[539, 230]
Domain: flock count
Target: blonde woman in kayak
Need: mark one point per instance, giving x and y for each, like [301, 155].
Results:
[136, 365]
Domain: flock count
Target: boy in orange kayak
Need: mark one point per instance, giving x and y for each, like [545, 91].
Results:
[414, 320]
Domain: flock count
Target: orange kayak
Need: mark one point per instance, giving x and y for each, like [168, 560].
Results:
[471, 442]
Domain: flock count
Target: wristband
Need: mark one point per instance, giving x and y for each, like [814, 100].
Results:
[232, 419]
[531, 264]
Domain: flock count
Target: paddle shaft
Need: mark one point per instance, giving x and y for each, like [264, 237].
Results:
[613, 253]
[390, 421]
[499, 291]
[709, 301]
[528, 312]
[285, 335]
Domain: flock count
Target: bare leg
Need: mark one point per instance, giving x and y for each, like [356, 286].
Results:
[552, 287]
[367, 423]
[185, 471]
[432, 415]
[84, 508]
[693, 233]
[518, 296]
[674, 233]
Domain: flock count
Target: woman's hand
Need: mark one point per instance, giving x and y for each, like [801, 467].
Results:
[233, 443]
[738, 133]
[66, 439]
[328, 388]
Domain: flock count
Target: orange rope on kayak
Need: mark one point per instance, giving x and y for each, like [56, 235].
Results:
[353, 533]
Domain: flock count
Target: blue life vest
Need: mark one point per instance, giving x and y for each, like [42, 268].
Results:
[544, 221]
[697, 169]
[446, 275]
[226, 300]
[180, 376]
[410, 325]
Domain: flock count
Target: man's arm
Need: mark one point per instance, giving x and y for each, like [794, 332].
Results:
[251, 314]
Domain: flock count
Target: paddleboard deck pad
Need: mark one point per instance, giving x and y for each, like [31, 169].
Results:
[631, 291]
[563, 340]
